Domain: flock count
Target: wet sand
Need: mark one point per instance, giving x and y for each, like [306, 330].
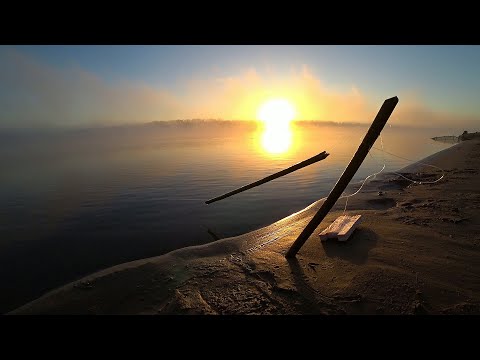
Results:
[416, 252]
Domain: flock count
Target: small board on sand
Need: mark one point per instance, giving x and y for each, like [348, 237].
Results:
[341, 228]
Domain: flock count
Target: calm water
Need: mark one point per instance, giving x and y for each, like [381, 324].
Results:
[75, 202]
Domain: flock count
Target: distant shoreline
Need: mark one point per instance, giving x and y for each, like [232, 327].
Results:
[443, 131]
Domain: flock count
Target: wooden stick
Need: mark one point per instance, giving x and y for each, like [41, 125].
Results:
[293, 168]
[368, 141]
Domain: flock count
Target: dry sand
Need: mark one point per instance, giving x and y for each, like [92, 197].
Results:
[416, 252]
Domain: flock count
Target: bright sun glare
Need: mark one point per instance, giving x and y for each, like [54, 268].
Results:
[276, 113]
[276, 142]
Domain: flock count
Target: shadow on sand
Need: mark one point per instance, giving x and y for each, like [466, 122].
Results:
[314, 302]
[355, 249]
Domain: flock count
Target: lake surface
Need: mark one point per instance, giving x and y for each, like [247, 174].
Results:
[74, 202]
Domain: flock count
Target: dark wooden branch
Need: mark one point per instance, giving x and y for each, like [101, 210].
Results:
[293, 168]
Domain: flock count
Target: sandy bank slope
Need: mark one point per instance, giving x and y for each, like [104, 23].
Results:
[417, 251]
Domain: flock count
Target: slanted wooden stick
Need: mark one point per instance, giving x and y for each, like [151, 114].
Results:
[293, 168]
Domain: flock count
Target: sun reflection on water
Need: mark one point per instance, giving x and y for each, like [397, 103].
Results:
[276, 140]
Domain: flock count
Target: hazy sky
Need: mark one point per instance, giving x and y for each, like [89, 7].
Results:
[97, 85]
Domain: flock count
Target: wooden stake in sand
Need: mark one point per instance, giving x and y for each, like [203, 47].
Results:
[292, 168]
[368, 141]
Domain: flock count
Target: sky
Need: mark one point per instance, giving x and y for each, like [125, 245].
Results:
[70, 86]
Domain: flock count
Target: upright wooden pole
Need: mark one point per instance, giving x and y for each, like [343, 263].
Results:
[368, 141]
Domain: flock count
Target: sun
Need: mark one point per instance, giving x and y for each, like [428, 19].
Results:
[276, 113]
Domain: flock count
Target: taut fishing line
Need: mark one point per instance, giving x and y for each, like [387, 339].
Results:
[418, 162]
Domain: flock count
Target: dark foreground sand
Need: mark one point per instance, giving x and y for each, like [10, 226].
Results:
[417, 252]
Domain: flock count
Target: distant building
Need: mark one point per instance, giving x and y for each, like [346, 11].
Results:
[468, 136]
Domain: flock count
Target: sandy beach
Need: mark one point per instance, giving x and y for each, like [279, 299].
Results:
[416, 252]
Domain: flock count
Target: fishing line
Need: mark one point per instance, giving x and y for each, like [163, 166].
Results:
[394, 172]
[364, 181]
[356, 192]
[418, 162]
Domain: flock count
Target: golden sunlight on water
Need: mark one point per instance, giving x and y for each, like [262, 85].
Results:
[276, 116]
[277, 140]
